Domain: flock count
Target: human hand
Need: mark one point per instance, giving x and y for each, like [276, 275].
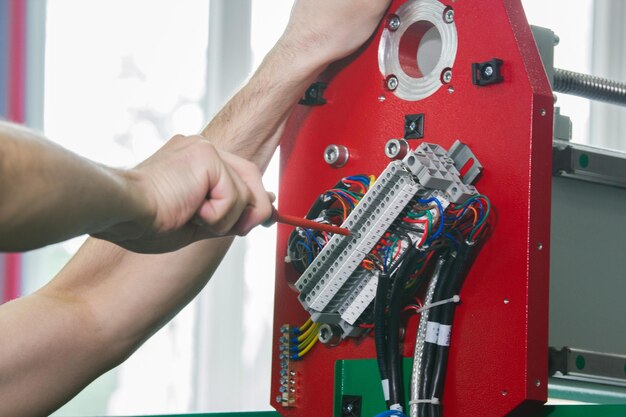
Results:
[328, 30]
[189, 191]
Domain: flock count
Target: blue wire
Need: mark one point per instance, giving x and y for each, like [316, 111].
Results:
[312, 238]
[360, 178]
[346, 197]
[440, 227]
[308, 249]
[389, 413]
[385, 260]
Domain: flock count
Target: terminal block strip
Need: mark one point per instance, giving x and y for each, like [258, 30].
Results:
[334, 289]
[369, 221]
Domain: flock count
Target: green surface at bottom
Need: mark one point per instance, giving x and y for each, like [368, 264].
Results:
[360, 377]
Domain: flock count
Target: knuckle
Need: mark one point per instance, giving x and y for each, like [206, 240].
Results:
[178, 137]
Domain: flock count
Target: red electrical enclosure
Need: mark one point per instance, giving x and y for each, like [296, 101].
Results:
[498, 356]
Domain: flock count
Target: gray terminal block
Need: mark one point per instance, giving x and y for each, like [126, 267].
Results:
[436, 169]
[335, 289]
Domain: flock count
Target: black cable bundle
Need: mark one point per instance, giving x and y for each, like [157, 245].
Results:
[430, 347]
[446, 318]
[396, 302]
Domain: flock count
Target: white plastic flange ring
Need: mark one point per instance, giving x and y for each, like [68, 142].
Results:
[420, 21]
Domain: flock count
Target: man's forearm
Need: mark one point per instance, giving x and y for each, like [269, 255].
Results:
[50, 194]
[97, 311]
[122, 296]
[250, 125]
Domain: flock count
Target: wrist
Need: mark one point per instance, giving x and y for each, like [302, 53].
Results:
[137, 211]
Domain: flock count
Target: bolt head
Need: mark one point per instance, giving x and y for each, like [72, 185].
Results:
[393, 23]
[279, 398]
[448, 16]
[349, 407]
[446, 76]
[392, 82]
[487, 71]
[331, 155]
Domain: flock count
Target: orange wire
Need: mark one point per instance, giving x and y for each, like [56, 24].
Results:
[475, 215]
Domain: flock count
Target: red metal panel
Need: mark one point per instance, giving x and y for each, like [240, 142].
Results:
[498, 357]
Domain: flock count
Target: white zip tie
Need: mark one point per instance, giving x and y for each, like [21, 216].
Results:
[433, 401]
[396, 407]
[454, 299]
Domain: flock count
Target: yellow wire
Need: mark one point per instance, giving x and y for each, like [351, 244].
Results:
[372, 180]
[306, 334]
[306, 324]
[306, 341]
[309, 347]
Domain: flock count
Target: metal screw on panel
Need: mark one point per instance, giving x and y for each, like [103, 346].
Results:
[396, 148]
[539, 246]
[336, 155]
[349, 407]
[506, 301]
[279, 398]
[393, 22]
[543, 112]
[392, 82]
[487, 71]
[448, 15]
[537, 383]
[446, 76]
[329, 334]
[504, 392]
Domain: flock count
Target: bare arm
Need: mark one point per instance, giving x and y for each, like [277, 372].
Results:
[185, 192]
[50, 194]
[107, 301]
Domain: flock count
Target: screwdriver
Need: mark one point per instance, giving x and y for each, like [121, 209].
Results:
[306, 223]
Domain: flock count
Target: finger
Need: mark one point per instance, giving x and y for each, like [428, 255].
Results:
[227, 199]
[260, 205]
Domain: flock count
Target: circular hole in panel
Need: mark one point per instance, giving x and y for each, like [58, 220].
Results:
[411, 160]
[420, 49]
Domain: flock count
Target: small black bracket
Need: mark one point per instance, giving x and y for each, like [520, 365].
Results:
[414, 126]
[486, 73]
[314, 95]
[562, 160]
[351, 406]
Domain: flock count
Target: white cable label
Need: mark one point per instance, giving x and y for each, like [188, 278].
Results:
[444, 335]
[432, 332]
[385, 384]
